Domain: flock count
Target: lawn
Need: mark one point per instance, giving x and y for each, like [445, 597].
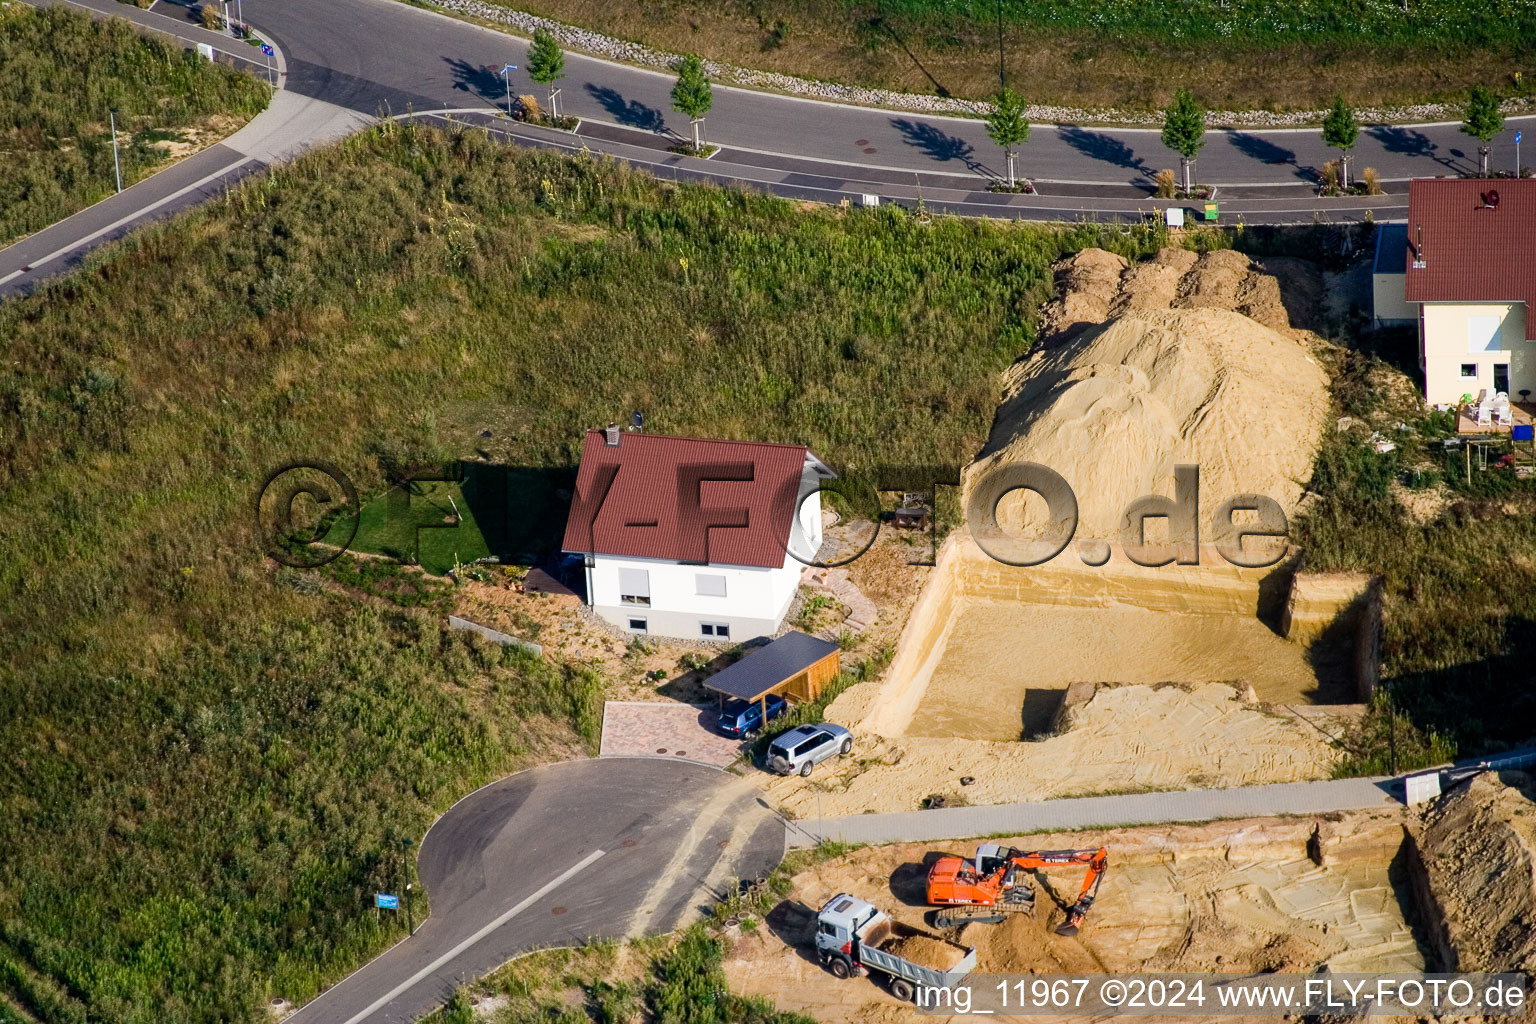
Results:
[1126, 54]
[62, 72]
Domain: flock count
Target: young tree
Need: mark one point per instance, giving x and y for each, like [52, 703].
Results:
[1184, 131]
[1483, 121]
[1340, 130]
[693, 96]
[1008, 127]
[546, 64]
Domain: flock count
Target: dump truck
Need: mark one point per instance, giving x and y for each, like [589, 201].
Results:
[854, 937]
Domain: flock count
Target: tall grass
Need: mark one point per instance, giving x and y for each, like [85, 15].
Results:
[60, 74]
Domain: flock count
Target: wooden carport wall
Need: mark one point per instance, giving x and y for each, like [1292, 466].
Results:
[805, 685]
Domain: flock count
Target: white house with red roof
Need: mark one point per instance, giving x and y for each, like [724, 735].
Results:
[694, 538]
[1467, 260]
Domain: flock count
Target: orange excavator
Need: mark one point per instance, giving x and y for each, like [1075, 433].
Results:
[993, 885]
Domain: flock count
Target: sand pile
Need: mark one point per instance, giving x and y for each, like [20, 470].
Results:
[1116, 409]
[927, 950]
[1477, 851]
[1284, 294]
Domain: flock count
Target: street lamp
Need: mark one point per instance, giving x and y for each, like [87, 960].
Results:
[506, 72]
[406, 843]
[117, 165]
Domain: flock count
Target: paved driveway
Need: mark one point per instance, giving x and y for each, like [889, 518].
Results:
[650, 729]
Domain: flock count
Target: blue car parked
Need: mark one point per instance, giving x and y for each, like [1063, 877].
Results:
[739, 718]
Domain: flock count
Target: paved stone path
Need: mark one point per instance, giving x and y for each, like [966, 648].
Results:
[1068, 815]
[649, 729]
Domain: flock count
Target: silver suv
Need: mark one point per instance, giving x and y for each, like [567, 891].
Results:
[804, 747]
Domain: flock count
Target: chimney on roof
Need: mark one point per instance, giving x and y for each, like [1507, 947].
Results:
[611, 435]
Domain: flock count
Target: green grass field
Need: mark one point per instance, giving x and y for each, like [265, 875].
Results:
[210, 762]
[60, 75]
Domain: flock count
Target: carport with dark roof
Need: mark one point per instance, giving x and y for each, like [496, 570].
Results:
[795, 665]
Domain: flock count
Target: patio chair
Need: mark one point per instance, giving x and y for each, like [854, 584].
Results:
[1485, 415]
[1501, 410]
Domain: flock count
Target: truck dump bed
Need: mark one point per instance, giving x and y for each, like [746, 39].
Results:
[916, 955]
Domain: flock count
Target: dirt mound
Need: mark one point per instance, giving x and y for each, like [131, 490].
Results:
[927, 950]
[1025, 944]
[1476, 853]
[1285, 294]
[1117, 408]
[1087, 282]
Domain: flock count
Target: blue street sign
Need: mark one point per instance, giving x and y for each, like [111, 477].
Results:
[509, 67]
[384, 901]
[266, 49]
[1517, 137]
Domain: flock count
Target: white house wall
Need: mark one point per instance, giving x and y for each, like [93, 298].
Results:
[1444, 328]
[754, 603]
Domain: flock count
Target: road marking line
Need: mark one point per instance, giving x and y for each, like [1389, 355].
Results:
[12, 274]
[135, 215]
[533, 898]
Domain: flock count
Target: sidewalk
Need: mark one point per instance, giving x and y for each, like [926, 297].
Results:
[1069, 815]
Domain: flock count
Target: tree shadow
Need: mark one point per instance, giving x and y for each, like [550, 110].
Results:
[1256, 147]
[631, 113]
[794, 924]
[474, 78]
[1105, 148]
[936, 143]
[1407, 142]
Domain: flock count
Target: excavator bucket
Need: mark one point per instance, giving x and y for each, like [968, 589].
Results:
[1066, 928]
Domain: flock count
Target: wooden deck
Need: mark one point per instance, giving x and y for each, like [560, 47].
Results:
[1466, 418]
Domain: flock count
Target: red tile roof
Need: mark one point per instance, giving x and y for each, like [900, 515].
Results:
[1471, 248]
[685, 499]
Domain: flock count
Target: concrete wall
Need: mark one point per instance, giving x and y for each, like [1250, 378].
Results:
[1387, 301]
[1444, 332]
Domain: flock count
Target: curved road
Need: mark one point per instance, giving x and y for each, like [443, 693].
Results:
[603, 848]
[345, 61]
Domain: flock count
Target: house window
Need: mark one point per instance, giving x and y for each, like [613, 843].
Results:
[635, 587]
[1469, 369]
[710, 585]
[1483, 334]
[639, 626]
[718, 630]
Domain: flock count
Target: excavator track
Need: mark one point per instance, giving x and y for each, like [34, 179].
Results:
[996, 913]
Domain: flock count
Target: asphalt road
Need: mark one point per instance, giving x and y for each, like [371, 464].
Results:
[603, 848]
[343, 62]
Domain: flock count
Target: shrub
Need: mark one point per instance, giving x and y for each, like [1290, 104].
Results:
[1371, 181]
[1331, 179]
[1167, 183]
[212, 17]
[528, 108]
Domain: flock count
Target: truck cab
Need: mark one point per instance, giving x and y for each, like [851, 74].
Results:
[840, 922]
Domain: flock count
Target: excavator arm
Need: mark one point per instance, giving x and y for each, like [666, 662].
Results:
[1097, 862]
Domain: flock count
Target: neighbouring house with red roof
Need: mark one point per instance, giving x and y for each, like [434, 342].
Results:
[1467, 259]
[694, 538]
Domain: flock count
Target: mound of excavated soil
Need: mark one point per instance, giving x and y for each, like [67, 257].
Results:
[1116, 409]
[1477, 848]
[1284, 294]
[925, 950]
